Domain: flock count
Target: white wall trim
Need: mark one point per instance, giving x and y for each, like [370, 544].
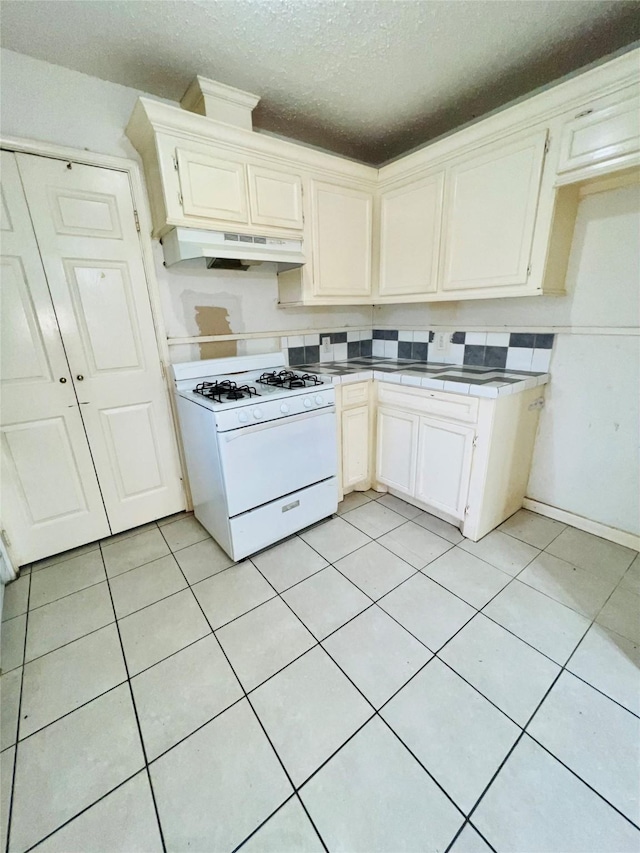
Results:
[621, 537]
[280, 333]
[634, 331]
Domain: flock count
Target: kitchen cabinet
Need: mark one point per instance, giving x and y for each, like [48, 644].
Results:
[212, 187]
[489, 216]
[342, 234]
[275, 197]
[397, 446]
[606, 129]
[223, 191]
[462, 458]
[88, 446]
[477, 214]
[443, 464]
[354, 435]
[410, 226]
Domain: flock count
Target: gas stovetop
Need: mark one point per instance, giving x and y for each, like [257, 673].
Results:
[229, 391]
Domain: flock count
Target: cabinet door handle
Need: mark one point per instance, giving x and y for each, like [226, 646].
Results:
[62, 379]
[79, 377]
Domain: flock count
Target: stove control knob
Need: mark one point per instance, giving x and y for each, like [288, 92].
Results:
[243, 417]
[257, 413]
[319, 400]
[307, 403]
[284, 409]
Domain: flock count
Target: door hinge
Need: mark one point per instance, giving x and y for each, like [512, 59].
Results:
[175, 162]
[5, 538]
[547, 144]
[466, 509]
[137, 219]
[528, 270]
[474, 443]
[180, 202]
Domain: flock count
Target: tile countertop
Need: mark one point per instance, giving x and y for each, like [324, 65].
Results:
[459, 379]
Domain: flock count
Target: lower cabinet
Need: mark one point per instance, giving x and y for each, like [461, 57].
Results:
[397, 445]
[461, 458]
[354, 435]
[444, 465]
[355, 443]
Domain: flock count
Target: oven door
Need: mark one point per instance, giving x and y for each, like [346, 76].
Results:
[267, 461]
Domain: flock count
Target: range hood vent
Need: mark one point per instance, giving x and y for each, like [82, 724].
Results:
[226, 250]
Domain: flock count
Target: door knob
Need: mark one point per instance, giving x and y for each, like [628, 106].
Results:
[62, 379]
[79, 377]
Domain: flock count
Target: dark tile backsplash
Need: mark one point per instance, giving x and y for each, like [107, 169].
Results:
[529, 351]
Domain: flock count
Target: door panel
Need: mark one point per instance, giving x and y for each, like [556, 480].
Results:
[410, 222]
[397, 447]
[133, 449]
[104, 312]
[50, 499]
[53, 490]
[444, 465]
[98, 285]
[355, 445]
[212, 187]
[275, 197]
[490, 211]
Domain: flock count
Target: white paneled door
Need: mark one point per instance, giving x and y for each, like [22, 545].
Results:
[84, 223]
[49, 493]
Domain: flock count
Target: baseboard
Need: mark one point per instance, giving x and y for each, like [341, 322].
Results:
[621, 537]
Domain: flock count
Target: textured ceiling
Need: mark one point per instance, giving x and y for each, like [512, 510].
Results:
[369, 80]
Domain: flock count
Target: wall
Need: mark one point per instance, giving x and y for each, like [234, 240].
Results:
[586, 458]
[50, 103]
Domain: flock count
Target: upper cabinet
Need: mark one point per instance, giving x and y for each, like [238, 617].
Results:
[490, 211]
[275, 198]
[342, 227]
[487, 211]
[212, 187]
[605, 130]
[410, 225]
[205, 186]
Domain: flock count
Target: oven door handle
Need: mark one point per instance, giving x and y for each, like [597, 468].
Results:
[248, 430]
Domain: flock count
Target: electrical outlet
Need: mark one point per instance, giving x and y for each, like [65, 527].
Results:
[326, 345]
[441, 341]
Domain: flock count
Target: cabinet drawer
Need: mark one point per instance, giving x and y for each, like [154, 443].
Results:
[355, 395]
[436, 403]
[605, 129]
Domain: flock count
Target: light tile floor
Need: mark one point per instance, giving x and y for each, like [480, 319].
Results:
[375, 683]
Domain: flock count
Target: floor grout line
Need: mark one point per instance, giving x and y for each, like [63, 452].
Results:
[16, 752]
[246, 696]
[137, 718]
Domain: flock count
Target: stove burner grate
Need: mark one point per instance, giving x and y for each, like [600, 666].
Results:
[228, 390]
[289, 379]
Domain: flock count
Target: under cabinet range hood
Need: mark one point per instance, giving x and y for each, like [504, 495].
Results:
[226, 250]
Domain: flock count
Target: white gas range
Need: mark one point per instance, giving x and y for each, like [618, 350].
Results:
[261, 448]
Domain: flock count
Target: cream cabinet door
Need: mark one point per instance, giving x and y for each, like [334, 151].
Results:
[84, 222]
[605, 130]
[212, 187]
[397, 446]
[355, 446]
[444, 465]
[410, 222]
[49, 495]
[342, 218]
[275, 198]
[490, 208]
